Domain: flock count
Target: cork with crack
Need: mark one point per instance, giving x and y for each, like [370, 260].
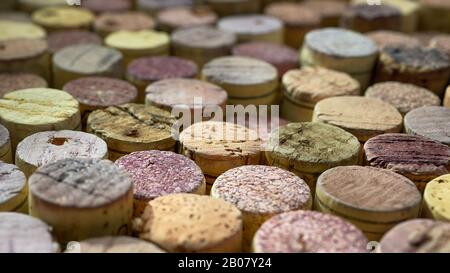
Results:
[431, 122]
[13, 189]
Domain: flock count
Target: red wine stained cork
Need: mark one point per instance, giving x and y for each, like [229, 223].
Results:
[441, 42]
[82, 198]
[13, 189]
[330, 11]
[25, 55]
[32, 5]
[79, 61]
[10, 82]
[28, 111]
[417, 236]
[16, 16]
[5, 146]
[365, 18]
[159, 173]
[284, 58]
[63, 18]
[417, 158]
[10, 29]
[253, 28]
[177, 94]
[431, 122]
[144, 71]
[184, 17]
[385, 38]
[62, 39]
[308, 232]
[361, 116]
[435, 199]
[117, 244]
[429, 68]
[47, 147]
[21, 233]
[373, 199]
[435, 15]
[261, 192]
[233, 7]
[297, 20]
[132, 127]
[153, 6]
[447, 97]
[103, 6]
[192, 223]
[108, 23]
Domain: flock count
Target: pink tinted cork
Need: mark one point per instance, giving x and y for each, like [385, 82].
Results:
[159, 68]
[101, 6]
[10, 82]
[61, 39]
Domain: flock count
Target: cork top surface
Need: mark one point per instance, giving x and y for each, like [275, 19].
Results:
[436, 195]
[10, 82]
[417, 236]
[80, 183]
[159, 68]
[340, 42]
[430, 121]
[262, 189]
[363, 117]
[203, 37]
[153, 5]
[326, 8]
[368, 188]
[10, 30]
[441, 42]
[130, 20]
[101, 91]
[101, 6]
[63, 17]
[312, 85]
[405, 97]
[12, 183]
[293, 14]
[157, 173]
[20, 233]
[38, 106]
[385, 38]
[64, 38]
[87, 59]
[238, 70]
[47, 147]
[372, 12]
[250, 24]
[21, 49]
[189, 222]
[312, 147]
[4, 135]
[177, 17]
[119, 244]
[137, 40]
[308, 232]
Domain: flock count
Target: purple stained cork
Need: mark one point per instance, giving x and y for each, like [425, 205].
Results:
[10, 82]
[61, 39]
[159, 68]
[308, 232]
[101, 6]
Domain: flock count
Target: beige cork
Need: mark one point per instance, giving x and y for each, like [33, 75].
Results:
[13, 189]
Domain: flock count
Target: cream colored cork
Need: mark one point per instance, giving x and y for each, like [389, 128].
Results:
[437, 199]
[63, 17]
[13, 189]
[20, 30]
[119, 244]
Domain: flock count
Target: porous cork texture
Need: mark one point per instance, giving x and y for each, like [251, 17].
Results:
[63, 17]
[21, 49]
[119, 244]
[436, 199]
[159, 68]
[13, 189]
[10, 82]
[430, 121]
[204, 37]
[385, 38]
[61, 39]
[103, 6]
[364, 17]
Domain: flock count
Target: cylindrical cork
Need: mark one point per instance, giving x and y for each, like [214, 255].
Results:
[435, 198]
[159, 173]
[431, 122]
[108, 23]
[5, 146]
[425, 67]
[264, 126]
[153, 6]
[365, 18]
[417, 158]
[297, 20]
[363, 117]
[28, 111]
[434, 15]
[10, 82]
[304, 88]
[103, 6]
[62, 39]
[32, 5]
[185, 17]
[441, 42]
[13, 189]
[63, 18]
[82, 199]
[21, 233]
[11, 30]
[385, 38]
[132, 127]
[330, 11]
[261, 192]
[118, 244]
[79, 61]
[144, 71]
[233, 7]
[16, 16]
[373, 199]
[192, 223]
[308, 232]
[249, 28]
[47, 147]
[447, 97]
[417, 236]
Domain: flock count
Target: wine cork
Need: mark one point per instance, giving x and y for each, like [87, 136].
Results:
[435, 197]
[202, 44]
[24, 234]
[284, 58]
[417, 236]
[79, 61]
[104, 6]
[192, 223]
[28, 111]
[318, 233]
[431, 122]
[13, 188]
[447, 97]
[7, 4]
[365, 18]
[361, 116]
[132, 127]
[159, 173]
[144, 71]
[264, 126]
[297, 20]
[232, 7]
[386, 38]
[184, 17]
[341, 50]
[33, 5]
[253, 28]
[10, 30]
[426, 36]
[108, 23]
[61, 39]
[304, 88]
[16, 16]
[309, 148]
[330, 11]
[48, 147]
[5, 145]
[261, 192]
[119, 244]
[373, 199]
[435, 15]
[25, 55]
[441, 42]
[10, 82]
[153, 6]
[425, 67]
[63, 18]
[82, 198]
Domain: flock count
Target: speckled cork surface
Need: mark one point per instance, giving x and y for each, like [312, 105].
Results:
[159, 68]
[4, 136]
[10, 82]
[107, 23]
[61, 39]
[308, 231]
[204, 37]
[436, 199]
[385, 38]
[186, 17]
[441, 42]
[119, 244]
[431, 121]
[13, 189]
[126, 40]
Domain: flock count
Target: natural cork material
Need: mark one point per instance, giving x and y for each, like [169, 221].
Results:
[436, 199]
[385, 38]
[185, 17]
[5, 145]
[119, 244]
[63, 17]
[364, 17]
[108, 23]
[10, 82]
[13, 189]
[431, 121]
[10, 30]
[61, 39]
